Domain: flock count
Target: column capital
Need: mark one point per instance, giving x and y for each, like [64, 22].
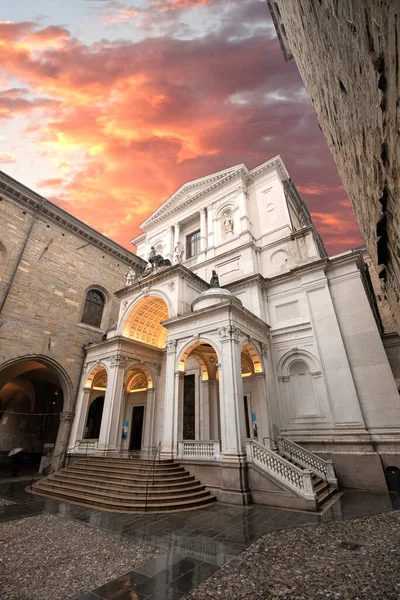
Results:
[66, 417]
[171, 346]
[118, 360]
[229, 332]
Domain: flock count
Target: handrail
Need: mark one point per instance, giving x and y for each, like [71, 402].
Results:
[309, 460]
[152, 473]
[276, 465]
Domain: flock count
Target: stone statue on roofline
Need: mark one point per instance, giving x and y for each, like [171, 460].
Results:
[130, 277]
[178, 253]
[155, 261]
[214, 281]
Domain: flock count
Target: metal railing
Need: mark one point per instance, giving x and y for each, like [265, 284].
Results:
[152, 473]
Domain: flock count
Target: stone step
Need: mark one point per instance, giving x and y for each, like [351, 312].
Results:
[155, 496]
[328, 493]
[132, 470]
[320, 488]
[180, 476]
[126, 463]
[188, 481]
[113, 505]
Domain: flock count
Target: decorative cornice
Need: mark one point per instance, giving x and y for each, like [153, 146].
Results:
[17, 192]
[160, 276]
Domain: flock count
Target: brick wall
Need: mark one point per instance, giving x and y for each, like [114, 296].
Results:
[348, 54]
[42, 311]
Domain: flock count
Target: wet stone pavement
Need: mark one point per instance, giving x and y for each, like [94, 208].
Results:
[196, 543]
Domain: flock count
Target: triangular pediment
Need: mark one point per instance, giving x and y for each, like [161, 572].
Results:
[188, 191]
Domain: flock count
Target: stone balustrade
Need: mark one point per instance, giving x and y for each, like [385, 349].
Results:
[199, 449]
[273, 464]
[308, 460]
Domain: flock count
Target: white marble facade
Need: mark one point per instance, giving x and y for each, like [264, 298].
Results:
[288, 347]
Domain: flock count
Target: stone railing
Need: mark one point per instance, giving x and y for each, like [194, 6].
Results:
[308, 460]
[199, 449]
[273, 464]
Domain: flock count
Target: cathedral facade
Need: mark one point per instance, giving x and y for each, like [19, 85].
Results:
[239, 337]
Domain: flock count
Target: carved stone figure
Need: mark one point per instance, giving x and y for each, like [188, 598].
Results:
[178, 253]
[214, 281]
[130, 277]
[228, 224]
[155, 261]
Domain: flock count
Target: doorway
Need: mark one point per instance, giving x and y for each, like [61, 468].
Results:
[189, 411]
[93, 422]
[246, 416]
[137, 428]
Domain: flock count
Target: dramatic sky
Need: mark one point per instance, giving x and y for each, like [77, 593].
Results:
[107, 107]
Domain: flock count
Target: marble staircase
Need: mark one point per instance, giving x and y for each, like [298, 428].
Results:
[129, 485]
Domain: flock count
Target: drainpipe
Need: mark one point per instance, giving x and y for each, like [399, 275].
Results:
[9, 286]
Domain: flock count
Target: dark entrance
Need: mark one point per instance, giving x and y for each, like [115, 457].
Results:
[246, 416]
[189, 417]
[137, 428]
[93, 422]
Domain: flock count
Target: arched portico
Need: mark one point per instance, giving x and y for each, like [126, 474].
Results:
[199, 411]
[138, 415]
[36, 403]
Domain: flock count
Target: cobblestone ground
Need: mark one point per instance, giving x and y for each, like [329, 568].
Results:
[50, 558]
[350, 560]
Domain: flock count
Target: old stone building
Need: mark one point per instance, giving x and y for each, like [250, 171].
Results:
[348, 54]
[242, 344]
[57, 279]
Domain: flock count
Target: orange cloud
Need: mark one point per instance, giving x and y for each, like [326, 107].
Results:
[127, 123]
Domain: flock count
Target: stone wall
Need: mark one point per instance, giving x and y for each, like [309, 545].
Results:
[348, 55]
[46, 267]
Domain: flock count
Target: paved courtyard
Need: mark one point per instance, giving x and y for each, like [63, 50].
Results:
[219, 552]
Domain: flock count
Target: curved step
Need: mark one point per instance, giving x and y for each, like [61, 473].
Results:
[134, 498]
[161, 507]
[129, 485]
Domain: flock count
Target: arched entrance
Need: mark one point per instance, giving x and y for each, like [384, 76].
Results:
[93, 422]
[34, 391]
[138, 415]
[199, 410]
[254, 393]
[95, 388]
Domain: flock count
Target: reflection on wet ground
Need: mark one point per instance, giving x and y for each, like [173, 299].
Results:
[196, 543]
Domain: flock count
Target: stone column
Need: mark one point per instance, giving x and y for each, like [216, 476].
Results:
[204, 416]
[170, 403]
[210, 230]
[110, 430]
[61, 444]
[233, 427]
[203, 230]
[171, 244]
[79, 422]
[234, 479]
[215, 433]
[177, 231]
[149, 424]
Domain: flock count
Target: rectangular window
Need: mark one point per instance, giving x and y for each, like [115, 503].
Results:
[193, 244]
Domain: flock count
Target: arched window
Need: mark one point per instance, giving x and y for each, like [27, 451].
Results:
[93, 308]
